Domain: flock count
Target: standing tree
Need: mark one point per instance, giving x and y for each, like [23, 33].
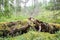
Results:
[5, 10]
[53, 5]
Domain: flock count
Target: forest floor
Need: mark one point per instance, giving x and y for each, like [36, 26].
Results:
[31, 35]
[34, 35]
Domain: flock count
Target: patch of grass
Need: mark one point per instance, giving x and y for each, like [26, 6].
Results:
[33, 35]
[44, 15]
[47, 16]
[12, 18]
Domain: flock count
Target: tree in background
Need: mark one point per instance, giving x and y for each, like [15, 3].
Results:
[9, 7]
[4, 6]
[53, 5]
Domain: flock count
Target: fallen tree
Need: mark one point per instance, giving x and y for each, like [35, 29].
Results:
[19, 27]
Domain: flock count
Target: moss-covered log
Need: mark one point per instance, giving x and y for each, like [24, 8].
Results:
[20, 27]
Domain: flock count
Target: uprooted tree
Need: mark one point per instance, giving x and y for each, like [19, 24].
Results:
[20, 27]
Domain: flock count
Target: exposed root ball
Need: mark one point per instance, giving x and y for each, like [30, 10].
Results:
[43, 26]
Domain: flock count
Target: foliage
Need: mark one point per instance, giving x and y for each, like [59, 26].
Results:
[52, 5]
[34, 36]
[49, 15]
[46, 16]
[8, 10]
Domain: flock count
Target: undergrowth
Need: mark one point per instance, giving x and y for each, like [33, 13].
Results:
[33, 35]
